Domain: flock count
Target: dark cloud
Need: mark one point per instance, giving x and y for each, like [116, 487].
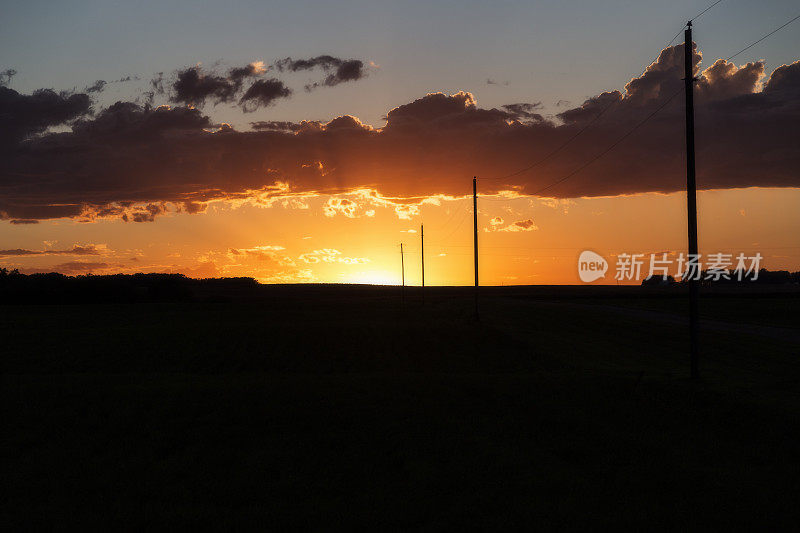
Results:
[490, 81]
[19, 252]
[263, 93]
[293, 65]
[24, 115]
[341, 70]
[146, 214]
[238, 74]
[275, 125]
[346, 122]
[157, 83]
[136, 163]
[78, 249]
[96, 87]
[193, 207]
[96, 153]
[78, 267]
[524, 111]
[125, 122]
[24, 221]
[591, 108]
[194, 87]
[350, 70]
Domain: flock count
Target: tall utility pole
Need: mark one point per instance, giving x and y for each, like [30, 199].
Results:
[402, 276]
[422, 253]
[691, 196]
[475, 230]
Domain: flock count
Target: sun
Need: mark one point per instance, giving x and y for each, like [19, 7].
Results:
[374, 277]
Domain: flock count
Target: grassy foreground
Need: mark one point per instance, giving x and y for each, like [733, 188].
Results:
[318, 408]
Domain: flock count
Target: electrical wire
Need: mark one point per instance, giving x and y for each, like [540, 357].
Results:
[558, 149]
[651, 115]
[776, 30]
[591, 122]
[704, 11]
[584, 128]
[626, 135]
[604, 152]
[461, 223]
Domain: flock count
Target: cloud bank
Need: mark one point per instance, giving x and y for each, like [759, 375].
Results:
[137, 162]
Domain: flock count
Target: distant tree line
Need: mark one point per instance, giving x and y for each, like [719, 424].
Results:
[764, 277]
[52, 287]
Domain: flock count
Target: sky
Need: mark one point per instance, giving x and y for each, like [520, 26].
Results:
[303, 141]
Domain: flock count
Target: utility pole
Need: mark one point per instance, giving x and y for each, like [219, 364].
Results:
[691, 198]
[422, 253]
[402, 276]
[475, 230]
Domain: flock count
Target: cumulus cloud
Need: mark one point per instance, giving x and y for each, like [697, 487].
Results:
[331, 255]
[275, 125]
[77, 249]
[268, 263]
[238, 74]
[96, 87]
[498, 224]
[263, 93]
[194, 86]
[520, 225]
[340, 70]
[341, 206]
[260, 253]
[72, 268]
[138, 162]
[25, 115]
[524, 111]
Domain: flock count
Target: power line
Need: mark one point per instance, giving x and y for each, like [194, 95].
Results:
[625, 136]
[673, 39]
[558, 149]
[703, 12]
[648, 117]
[586, 126]
[776, 30]
[604, 152]
[457, 209]
[595, 119]
[464, 217]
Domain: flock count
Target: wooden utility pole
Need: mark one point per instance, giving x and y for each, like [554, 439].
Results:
[422, 253]
[691, 198]
[402, 276]
[475, 231]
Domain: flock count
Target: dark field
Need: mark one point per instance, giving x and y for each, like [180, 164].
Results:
[318, 408]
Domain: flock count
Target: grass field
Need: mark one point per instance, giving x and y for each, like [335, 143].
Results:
[317, 408]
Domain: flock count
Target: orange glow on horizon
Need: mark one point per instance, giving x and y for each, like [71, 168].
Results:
[355, 239]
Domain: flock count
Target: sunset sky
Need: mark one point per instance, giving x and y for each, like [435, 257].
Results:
[304, 141]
